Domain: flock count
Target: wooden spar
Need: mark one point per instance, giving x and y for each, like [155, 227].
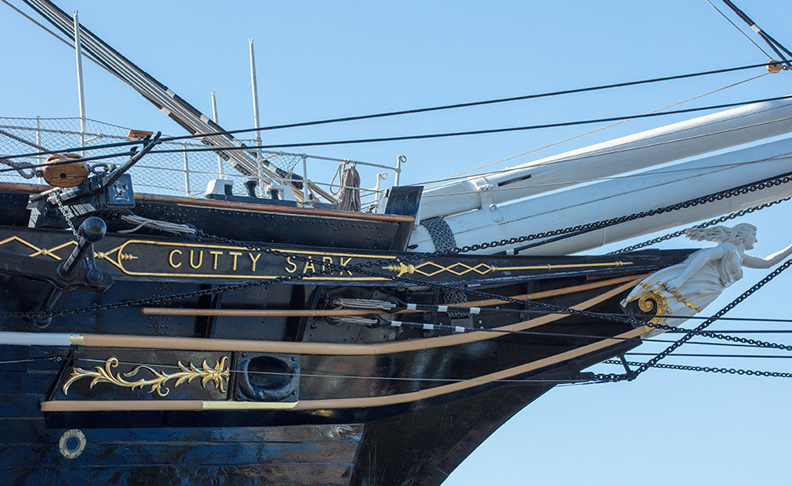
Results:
[166, 311]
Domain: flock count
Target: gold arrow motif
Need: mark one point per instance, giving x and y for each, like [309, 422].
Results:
[430, 269]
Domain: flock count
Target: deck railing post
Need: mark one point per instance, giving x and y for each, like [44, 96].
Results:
[401, 159]
[39, 158]
[220, 172]
[186, 172]
[305, 178]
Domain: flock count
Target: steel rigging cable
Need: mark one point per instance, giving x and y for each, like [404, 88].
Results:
[774, 44]
[488, 102]
[480, 132]
[400, 138]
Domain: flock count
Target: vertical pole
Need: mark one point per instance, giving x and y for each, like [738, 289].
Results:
[256, 122]
[377, 194]
[220, 172]
[39, 159]
[399, 161]
[186, 172]
[80, 93]
[306, 193]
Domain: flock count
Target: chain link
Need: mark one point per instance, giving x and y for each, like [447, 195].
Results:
[731, 305]
[706, 369]
[588, 227]
[707, 224]
[66, 215]
[556, 308]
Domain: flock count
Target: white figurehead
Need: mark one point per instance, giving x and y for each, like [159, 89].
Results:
[685, 289]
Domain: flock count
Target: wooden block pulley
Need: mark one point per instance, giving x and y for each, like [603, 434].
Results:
[65, 175]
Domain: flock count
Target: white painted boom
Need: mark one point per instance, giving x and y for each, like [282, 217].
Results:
[678, 141]
[627, 195]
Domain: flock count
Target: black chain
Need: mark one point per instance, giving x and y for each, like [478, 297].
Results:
[706, 369]
[549, 307]
[731, 305]
[707, 224]
[588, 227]
[360, 268]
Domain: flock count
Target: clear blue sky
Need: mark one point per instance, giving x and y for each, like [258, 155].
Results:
[326, 59]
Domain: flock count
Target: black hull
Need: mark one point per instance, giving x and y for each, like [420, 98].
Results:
[161, 373]
[419, 446]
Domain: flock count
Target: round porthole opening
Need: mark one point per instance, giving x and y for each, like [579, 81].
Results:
[72, 444]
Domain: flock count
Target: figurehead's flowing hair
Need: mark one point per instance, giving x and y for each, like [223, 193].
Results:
[722, 234]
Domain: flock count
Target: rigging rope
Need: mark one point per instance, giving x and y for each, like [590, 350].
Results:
[480, 132]
[423, 109]
[450, 106]
[166, 226]
[774, 44]
[602, 128]
[740, 30]
[349, 188]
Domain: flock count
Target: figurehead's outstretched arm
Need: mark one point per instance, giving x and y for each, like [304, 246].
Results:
[774, 259]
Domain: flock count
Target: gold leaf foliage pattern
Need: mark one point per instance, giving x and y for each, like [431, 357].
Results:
[217, 375]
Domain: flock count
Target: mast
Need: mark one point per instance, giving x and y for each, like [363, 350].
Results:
[80, 92]
[256, 121]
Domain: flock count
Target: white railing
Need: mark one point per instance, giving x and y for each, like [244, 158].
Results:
[188, 167]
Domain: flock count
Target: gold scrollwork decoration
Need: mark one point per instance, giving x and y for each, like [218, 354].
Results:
[218, 375]
[653, 302]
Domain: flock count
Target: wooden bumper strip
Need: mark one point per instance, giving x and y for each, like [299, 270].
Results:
[338, 403]
[161, 405]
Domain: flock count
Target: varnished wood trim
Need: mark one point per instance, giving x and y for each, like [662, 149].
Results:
[234, 205]
[29, 188]
[340, 403]
[556, 292]
[158, 405]
[464, 385]
[332, 349]
[273, 208]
